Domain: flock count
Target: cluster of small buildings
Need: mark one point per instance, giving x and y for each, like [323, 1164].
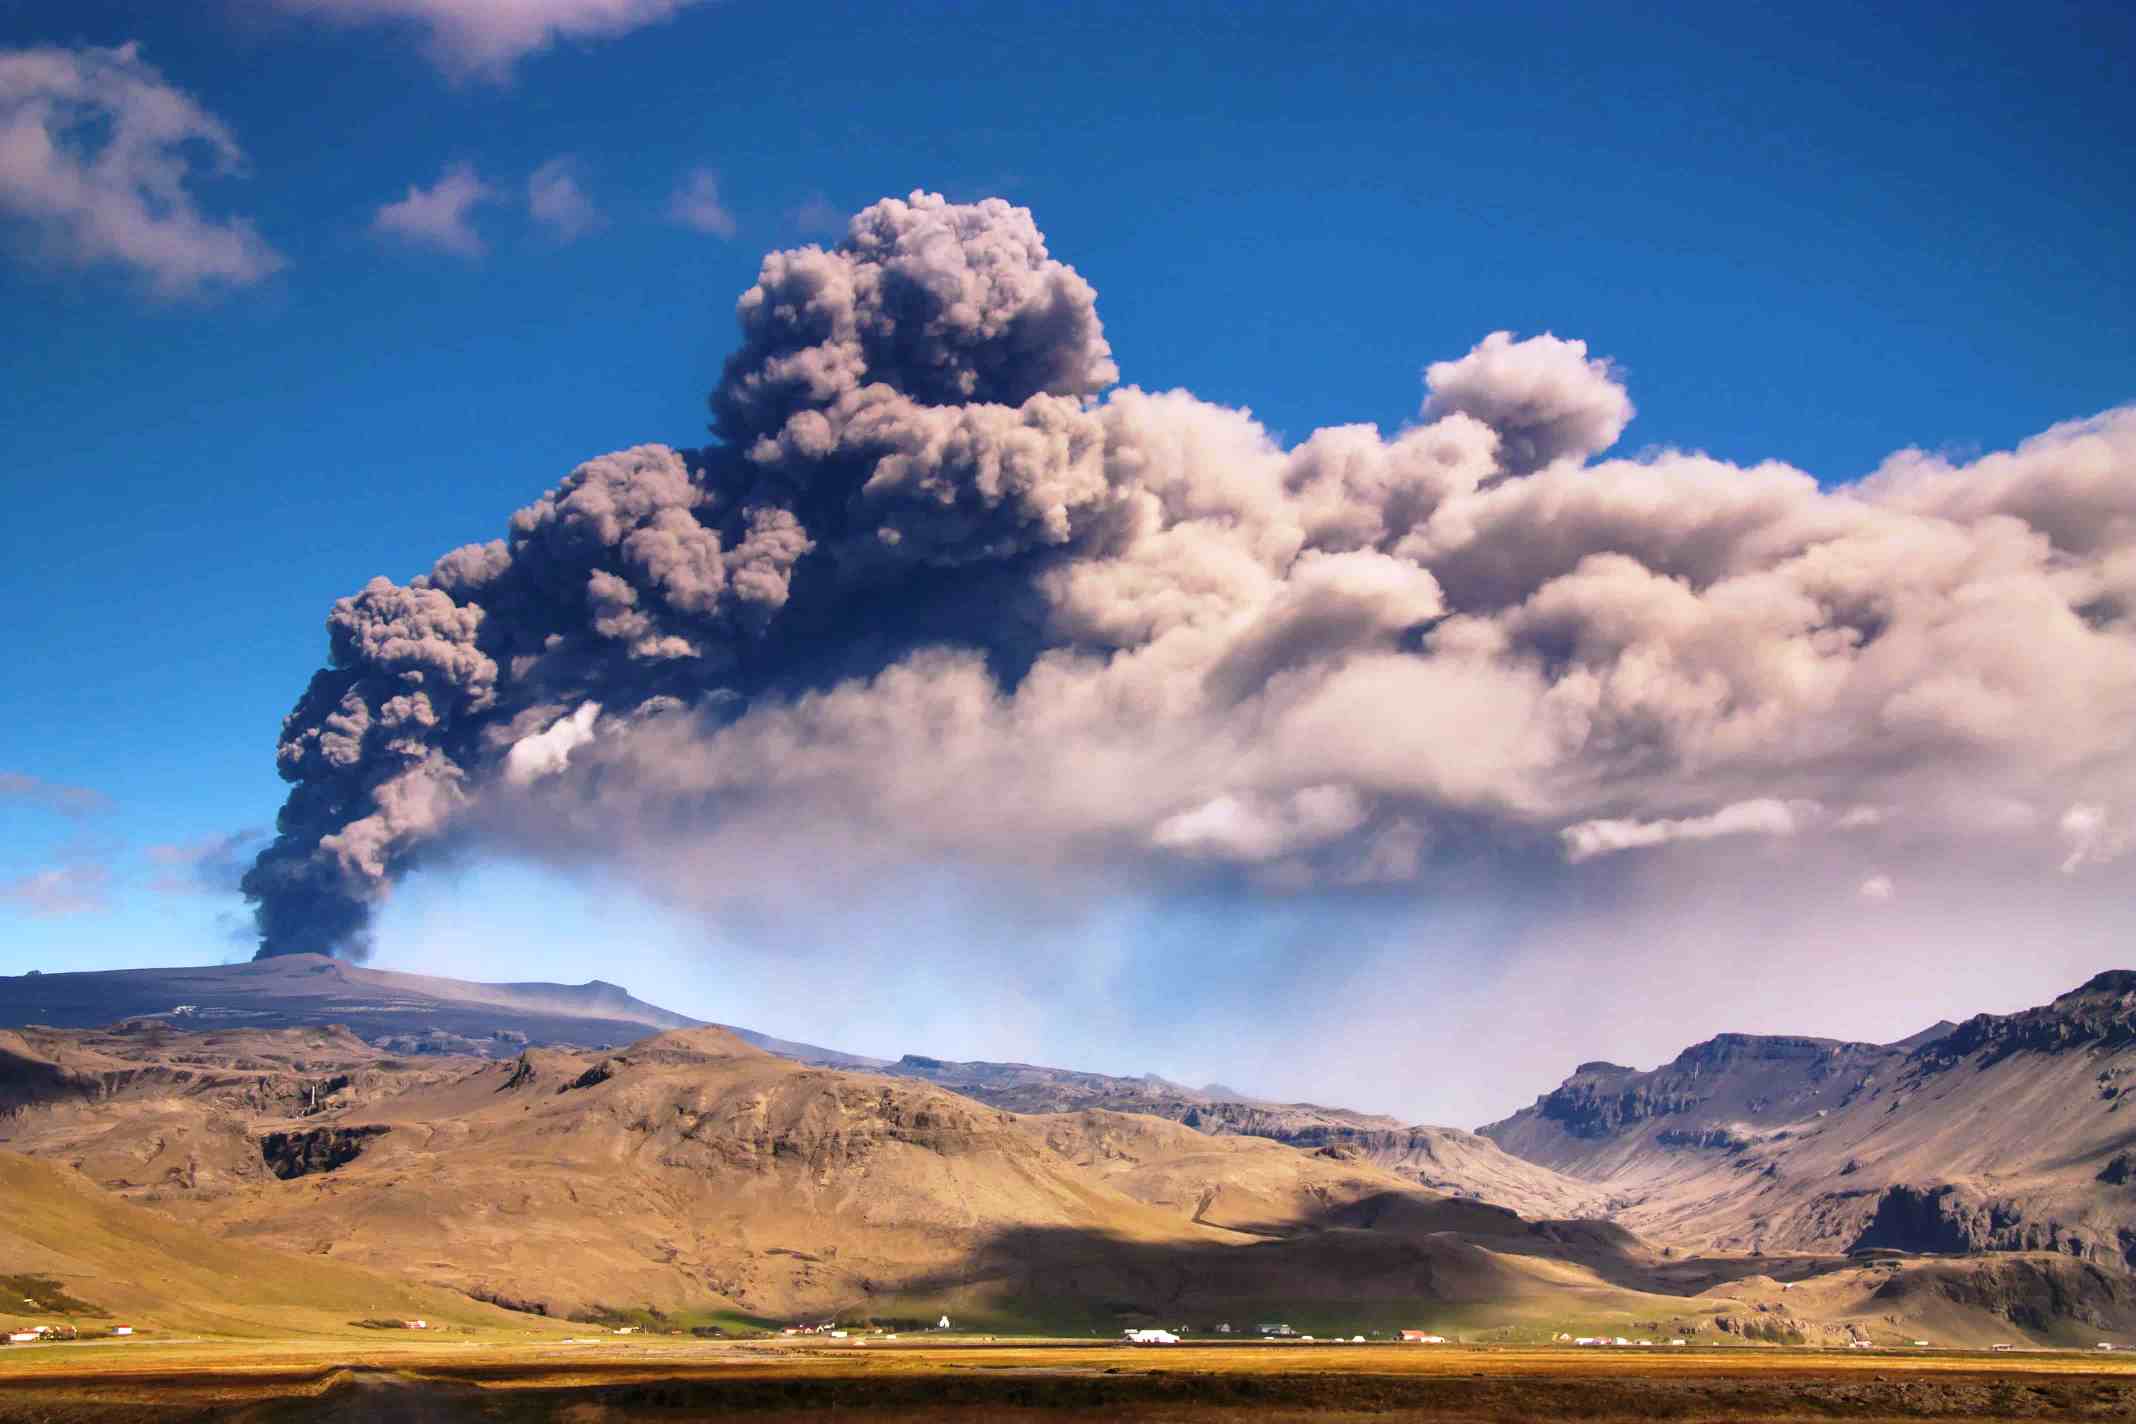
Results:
[1613, 1341]
[832, 1330]
[43, 1334]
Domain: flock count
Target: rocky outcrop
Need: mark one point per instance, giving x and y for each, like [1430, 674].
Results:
[1728, 1077]
[2101, 1013]
[1716, 1139]
[599, 1073]
[2034, 1293]
[1950, 1219]
[290, 1155]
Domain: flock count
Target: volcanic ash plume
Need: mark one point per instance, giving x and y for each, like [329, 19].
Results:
[941, 590]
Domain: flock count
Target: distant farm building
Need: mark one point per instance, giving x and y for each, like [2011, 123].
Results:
[1420, 1337]
[1150, 1337]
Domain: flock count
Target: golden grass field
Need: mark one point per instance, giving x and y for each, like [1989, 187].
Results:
[481, 1375]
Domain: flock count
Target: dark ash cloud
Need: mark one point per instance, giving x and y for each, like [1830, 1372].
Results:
[942, 591]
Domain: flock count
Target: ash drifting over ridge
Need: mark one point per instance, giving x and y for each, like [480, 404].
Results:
[940, 589]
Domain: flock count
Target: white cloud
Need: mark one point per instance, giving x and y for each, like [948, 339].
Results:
[100, 156]
[1250, 828]
[486, 37]
[548, 752]
[557, 201]
[1877, 887]
[2092, 837]
[1762, 817]
[441, 215]
[1546, 399]
[696, 204]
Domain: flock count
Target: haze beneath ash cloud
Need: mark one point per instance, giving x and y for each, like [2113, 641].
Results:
[942, 593]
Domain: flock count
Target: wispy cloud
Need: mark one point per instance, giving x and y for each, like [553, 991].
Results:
[52, 795]
[71, 889]
[99, 156]
[441, 215]
[210, 865]
[557, 201]
[696, 204]
[817, 214]
[1762, 817]
[485, 38]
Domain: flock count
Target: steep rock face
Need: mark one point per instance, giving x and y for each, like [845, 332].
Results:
[1706, 1096]
[2005, 1133]
[1956, 1219]
[290, 1155]
[2100, 1014]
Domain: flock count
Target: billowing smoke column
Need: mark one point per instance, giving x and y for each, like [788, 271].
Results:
[936, 588]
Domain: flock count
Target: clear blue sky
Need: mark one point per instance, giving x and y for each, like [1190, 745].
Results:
[1804, 232]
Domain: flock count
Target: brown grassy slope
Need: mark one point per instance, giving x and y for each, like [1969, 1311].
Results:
[694, 1172]
[147, 1270]
[1442, 1159]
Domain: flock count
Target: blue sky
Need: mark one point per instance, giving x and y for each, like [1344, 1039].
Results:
[1807, 233]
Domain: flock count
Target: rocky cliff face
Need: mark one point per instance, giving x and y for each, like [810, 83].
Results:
[2100, 1015]
[1716, 1094]
[1957, 1219]
[2001, 1134]
[299, 1154]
